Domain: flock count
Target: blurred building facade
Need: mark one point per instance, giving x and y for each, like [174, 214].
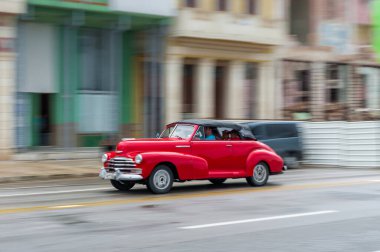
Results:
[87, 70]
[9, 11]
[329, 72]
[221, 59]
[79, 69]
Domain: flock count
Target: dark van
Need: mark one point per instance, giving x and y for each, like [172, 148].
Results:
[283, 137]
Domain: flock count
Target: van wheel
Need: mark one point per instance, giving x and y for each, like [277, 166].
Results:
[217, 181]
[160, 180]
[259, 176]
[122, 186]
[292, 161]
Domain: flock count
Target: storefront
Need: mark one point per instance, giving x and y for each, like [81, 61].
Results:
[77, 72]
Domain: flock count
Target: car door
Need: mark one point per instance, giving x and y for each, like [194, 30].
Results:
[217, 153]
[240, 151]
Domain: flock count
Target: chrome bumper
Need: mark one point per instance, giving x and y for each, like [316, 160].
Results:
[117, 175]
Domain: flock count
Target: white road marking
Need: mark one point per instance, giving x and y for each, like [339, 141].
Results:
[55, 192]
[374, 180]
[67, 206]
[259, 219]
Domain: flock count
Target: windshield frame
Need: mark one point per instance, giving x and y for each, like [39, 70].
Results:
[166, 128]
[195, 128]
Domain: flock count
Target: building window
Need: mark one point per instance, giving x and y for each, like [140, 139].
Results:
[252, 7]
[303, 81]
[222, 5]
[191, 3]
[333, 83]
[95, 60]
[334, 9]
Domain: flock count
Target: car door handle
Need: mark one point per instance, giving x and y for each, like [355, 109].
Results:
[229, 145]
[183, 146]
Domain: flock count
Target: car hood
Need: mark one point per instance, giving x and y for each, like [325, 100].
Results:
[139, 145]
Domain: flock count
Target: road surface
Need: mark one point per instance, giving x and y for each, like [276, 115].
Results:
[301, 210]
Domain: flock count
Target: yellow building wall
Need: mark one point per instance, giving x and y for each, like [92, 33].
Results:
[267, 9]
[207, 5]
[238, 7]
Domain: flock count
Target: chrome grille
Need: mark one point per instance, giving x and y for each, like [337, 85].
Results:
[121, 163]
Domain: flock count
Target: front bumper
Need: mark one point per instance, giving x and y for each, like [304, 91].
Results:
[117, 175]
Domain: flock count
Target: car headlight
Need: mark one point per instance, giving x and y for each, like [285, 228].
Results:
[138, 159]
[104, 158]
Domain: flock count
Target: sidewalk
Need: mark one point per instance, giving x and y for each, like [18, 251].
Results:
[11, 171]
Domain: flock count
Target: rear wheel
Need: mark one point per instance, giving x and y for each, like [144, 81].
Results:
[122, 186]
[160, 180]
[260, 175]
[217, 181]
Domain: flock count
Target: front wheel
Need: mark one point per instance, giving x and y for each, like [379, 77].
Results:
[160, 180]
[122, 186]
[260, 175]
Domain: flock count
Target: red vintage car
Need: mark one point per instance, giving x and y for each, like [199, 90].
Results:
[191, 150]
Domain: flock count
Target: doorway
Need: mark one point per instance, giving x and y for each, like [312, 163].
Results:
[42, 120]
[188, 82]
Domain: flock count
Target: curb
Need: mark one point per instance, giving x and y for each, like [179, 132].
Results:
[47, 177]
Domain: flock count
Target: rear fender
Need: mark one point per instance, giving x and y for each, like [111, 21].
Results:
[273, 160]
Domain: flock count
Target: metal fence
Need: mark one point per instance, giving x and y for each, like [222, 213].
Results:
[339, 143]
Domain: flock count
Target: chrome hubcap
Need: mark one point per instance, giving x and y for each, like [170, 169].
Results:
[259, 173]
[161, 179]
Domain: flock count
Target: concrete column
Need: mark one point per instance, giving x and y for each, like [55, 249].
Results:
[354, 93]
[318, 91]
[271, 100]
[266, 91]
[7, 84]
[7, 87]
[278, 89]
[205, 89]
[234, 96]
[261, 91]
[173, 88]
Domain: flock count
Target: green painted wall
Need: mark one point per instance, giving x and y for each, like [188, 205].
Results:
[376, 27]
[68, 77]
[96, 15]
[90, 140]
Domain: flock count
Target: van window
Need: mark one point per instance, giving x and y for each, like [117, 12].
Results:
[258, 132]
[281, 130]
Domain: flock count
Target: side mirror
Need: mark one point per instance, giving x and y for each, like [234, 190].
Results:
[157, 135]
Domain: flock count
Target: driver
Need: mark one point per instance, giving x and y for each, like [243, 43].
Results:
[209, 134]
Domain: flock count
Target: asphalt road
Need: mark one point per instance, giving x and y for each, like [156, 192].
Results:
[301, 210]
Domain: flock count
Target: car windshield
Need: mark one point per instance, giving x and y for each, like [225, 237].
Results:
[182, 131]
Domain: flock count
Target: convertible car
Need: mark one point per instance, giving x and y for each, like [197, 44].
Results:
[185, 151]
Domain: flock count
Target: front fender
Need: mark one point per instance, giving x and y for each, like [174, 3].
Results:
[188, 166]
[273, 160]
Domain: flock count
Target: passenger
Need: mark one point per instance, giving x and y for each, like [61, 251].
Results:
[235, 135]
[209, 134]
[225, 135]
